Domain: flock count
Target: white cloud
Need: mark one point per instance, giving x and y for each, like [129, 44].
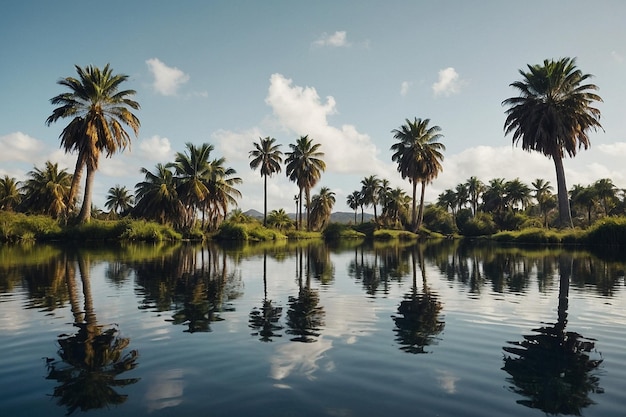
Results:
[301, 111]
[613, 149]
[337, 39]
[18, 146]
[617, 56]
[167, 80]
[404, 87]
[156, 148]
[448, 83]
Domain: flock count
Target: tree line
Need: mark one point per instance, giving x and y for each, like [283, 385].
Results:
[552, 114]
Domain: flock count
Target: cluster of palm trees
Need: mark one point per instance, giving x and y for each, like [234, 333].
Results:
[500, 197]
[552, 114]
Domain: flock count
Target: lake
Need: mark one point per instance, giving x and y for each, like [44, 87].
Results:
[309, 329]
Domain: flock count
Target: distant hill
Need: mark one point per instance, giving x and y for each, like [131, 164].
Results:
[337, 217]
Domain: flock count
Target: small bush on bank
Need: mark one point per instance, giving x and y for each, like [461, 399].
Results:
[608, 231]
[336, 231]
[20, 227]
[232, 231]
[439, 220]
[480, 225]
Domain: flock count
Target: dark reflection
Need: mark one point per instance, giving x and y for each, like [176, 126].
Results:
[93, 358]
[553, 368]
[305, 316]
[195, 284]
[418, 321]
[265, 320]
[377, 265]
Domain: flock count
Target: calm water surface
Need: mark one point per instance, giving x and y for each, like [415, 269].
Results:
[442, 329]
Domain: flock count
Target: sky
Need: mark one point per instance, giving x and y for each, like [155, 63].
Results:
[346, 73]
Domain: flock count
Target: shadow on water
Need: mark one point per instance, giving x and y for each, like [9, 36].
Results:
[265, 320]
[93, 358]
[553, 368]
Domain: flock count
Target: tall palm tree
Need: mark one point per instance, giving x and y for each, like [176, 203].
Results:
[267, 156]
[370, 187]
[304, 166]
[475, 188]
[552, 114]
[462, 196]
[10, 195]
[222, 191]
[98, 110]
[419, 157]
[157, 198]
[119, 200]
[46, 191]
[321, 207]
[354, 201]
[192, 169]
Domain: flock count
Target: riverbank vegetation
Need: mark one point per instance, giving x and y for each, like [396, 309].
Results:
[195, 195]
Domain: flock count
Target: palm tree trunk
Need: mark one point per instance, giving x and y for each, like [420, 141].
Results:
[565, 215]
[420, 215]
[85, 211]
[413, 208]
[78, 173]
[265, 200]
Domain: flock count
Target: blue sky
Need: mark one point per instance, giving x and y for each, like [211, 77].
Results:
[344, 72]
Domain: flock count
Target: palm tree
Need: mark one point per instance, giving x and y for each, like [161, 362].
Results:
[46, 190]
[448, 200]
[119, 200]
[354, 201]
[605, 190]
[266, 155]
[544, 197]
[10, 195]
[552, 115]
[585, 197]
[462, 196]
[494, 197]
[517, 193]
[192, 170]
[322, 207]
[157, 198]
[475, 188]
[222, 192]
[304, 166]
[419, 158]
[397, 205]
[279, 219]
[370, 187]
[98, 109]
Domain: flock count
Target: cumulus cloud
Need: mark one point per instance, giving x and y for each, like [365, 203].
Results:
[156, 148]
[337, 40]
[18, 146]
[448, 83]
[301, 110]
[167, 80]
[404, 87]
[613, 149]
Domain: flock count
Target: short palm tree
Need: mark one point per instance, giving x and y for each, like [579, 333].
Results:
[221, 183]
[267, 156]
[419, 157]
[10, 195]
[119, 200]
[157, 198]
[279, 219]
[321, 208]
[544, 197]
[98, 110]
[304, 166]
[46, 190]
[354, 202]
[552, 114]
[475, 187]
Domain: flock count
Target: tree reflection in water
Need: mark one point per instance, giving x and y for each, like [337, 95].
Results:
[265, 321]
[553, 368]
[93, 357]
[418, 320]
[305, 316]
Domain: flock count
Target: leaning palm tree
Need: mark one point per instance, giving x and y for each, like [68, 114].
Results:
[267, 156]
[119, 200]
[419, 158]
[10, 195]
[552, 115]
[304, 166]
[98, 110]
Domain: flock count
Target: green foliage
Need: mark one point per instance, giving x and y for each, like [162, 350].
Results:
[387, 234]
[232, 231]
[147, 231]
[608, 231]
[19, 227]
[438, 219]
[480, 225]
[261, 234]
[303, 234]
[336, 231]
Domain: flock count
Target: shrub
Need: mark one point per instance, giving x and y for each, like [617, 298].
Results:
[232, 231]
[608, 231]
[480, 225]
[438, 219]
